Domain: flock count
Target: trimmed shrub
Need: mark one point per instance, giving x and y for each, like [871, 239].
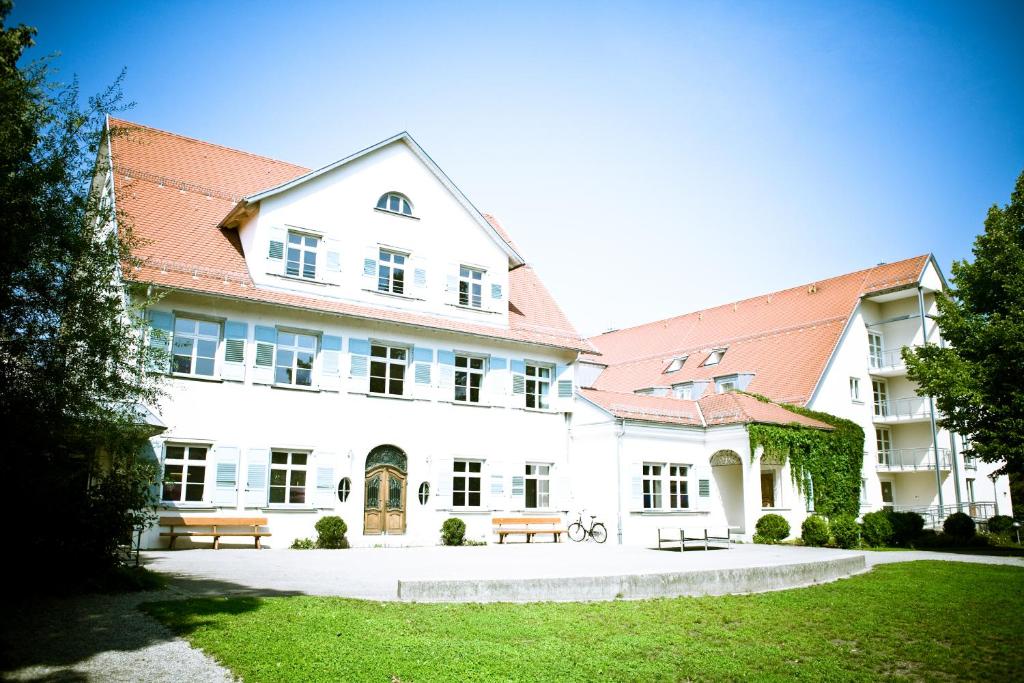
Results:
[303, 544]
[453, 531]
[876, 530]
[330, 532]
[771, 528]
[906, 527]
[845, 531]
[959, 526]
[814, 531]
[1000, 524]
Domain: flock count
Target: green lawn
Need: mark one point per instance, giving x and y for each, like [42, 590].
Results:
[913, 621]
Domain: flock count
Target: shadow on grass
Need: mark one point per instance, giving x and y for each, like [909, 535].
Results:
[52, 636]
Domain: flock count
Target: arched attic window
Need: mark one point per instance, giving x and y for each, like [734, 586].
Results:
[395, 202]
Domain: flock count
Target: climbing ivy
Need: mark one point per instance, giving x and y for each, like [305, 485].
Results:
[831, 460]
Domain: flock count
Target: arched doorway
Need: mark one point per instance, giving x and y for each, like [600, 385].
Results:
[385, 502]
[727, 468]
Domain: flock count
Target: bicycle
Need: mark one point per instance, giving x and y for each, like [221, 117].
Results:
[578, 532]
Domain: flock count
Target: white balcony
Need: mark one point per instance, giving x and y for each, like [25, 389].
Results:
[902, 410]
[912, 460]
[888, 362]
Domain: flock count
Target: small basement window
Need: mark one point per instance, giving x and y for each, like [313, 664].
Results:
[395, 203]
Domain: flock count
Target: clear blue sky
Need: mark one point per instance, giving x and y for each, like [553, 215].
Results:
[649, 158]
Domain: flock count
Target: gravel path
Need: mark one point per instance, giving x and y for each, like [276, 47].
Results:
[99, 638]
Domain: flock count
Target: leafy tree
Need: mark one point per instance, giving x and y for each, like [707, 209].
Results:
[71, 360]
[978, 380]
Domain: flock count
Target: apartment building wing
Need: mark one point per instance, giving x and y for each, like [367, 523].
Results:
[356, 340]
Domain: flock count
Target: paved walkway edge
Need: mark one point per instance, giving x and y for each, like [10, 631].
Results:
[719, 581]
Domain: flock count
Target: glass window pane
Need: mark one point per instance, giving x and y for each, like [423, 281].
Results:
[286, 339]
[304, 378]
[379, 351]
[398, 354]
[477, 363]
[276, 494]
[196, 453]
[460, 466]
[206, 348]
[377, 385]
[406, 209]
[307, 341]
[176, 452]
[278, 477]
[460, 393]
[393, 203]
[193, 492]
[459, 498]
[460, 362]
[204, 366]
[474, 499]
[304, 360]
[279, 458]
[294, 238]
[395, 387]
[181, 364]
[382, 203]
[474, 467]
[184, 325]
[399, 259]
[172, 473]
[209, 329]
[378, 368]
[299, 458]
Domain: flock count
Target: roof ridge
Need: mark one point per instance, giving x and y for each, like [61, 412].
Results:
[865, 271]
[116, 121]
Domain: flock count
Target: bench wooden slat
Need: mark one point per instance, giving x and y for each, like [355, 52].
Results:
[216, 528]
[528, 526]
[210, 521]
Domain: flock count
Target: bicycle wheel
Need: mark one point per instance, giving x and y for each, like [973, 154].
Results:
[599, 533]
[577, 532]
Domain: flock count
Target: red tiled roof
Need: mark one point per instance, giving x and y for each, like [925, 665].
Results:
[712, 410]
[785, 338]
[175, 191]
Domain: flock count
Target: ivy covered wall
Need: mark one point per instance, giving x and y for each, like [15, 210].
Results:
[832, 460]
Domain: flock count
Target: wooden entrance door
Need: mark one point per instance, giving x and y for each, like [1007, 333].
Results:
[384, 511]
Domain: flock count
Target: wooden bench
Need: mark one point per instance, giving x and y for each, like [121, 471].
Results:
[678, 537]
[528, 526]
[218, 527]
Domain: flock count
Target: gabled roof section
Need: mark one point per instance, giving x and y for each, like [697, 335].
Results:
[500, 239]
[784, 338]
[710, 411]
[175, 192]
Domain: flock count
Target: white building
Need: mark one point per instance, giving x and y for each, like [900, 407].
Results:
[360, 340]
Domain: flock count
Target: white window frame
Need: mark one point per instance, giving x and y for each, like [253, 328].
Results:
[195, 336]
[302, 249]
[289, 467]
[468, 475]
[883, 444]
[652, 476]
[539, 396]
[683, 391]
[404, 204]
[468, 373]
[185, 462]
[678, 477]
[295, 349]
[388, 260]
[471, 286]
[880, 397]
[726, 383]
[855, 390]
[391, 362]
[542, 499]
[876, 349]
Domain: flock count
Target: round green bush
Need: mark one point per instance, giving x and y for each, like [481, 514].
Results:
[959, 526]
[453, 531]
[1000, 524]
[330, 532]
[845, 531]
[876, 529]
[907, 527]
[814, 531]
[771, 528]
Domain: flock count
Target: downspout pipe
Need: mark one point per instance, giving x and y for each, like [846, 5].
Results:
[931, 406]
[618, 470]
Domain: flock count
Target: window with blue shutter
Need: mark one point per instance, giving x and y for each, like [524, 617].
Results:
[263, 362]
[330, 363]
[235, 334]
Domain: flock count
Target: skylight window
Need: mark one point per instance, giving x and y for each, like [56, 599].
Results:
[676, 364]
[395, 203]
[715, 357]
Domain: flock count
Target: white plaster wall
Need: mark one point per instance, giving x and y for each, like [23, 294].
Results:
[340, 205]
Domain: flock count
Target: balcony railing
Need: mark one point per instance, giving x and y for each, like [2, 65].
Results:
[913, 407]
[911, 459]
[888, 359]
[934, 515]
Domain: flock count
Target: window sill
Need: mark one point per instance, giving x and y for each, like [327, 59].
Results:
[544, 411]
[188, 507]
[196, 378]
[395, 213]
[776, 509]
[468, 404]
[473, 309]
[288, 508]
[669, 513]
[467, 511]
[856, 401]
[393, 295]
[295, 278]
[293, 387]
[387, 396]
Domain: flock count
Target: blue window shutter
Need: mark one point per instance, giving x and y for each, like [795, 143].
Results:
[276, 238]
[446, 372]
[225, 491]
[422, 373]
[359, 349]
[498, 363]
[330, 363]
[495, 291]
[371, 255]
[360, 366]
[235, 334]
[701, 474]
[519, 366]
[256, 471]
[421, 354]
[636, 492]
[446, 357]
[359, 346]
[266, 341]
[326, 491]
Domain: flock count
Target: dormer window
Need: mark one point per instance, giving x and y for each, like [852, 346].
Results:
[301, 261]
[727, 383]
[715, 357]
[684, 391]
[676, 364]
[395, 203]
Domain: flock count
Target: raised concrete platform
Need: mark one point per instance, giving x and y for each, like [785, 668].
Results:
[503, 573]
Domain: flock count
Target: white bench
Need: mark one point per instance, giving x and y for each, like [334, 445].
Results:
[678, 537]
